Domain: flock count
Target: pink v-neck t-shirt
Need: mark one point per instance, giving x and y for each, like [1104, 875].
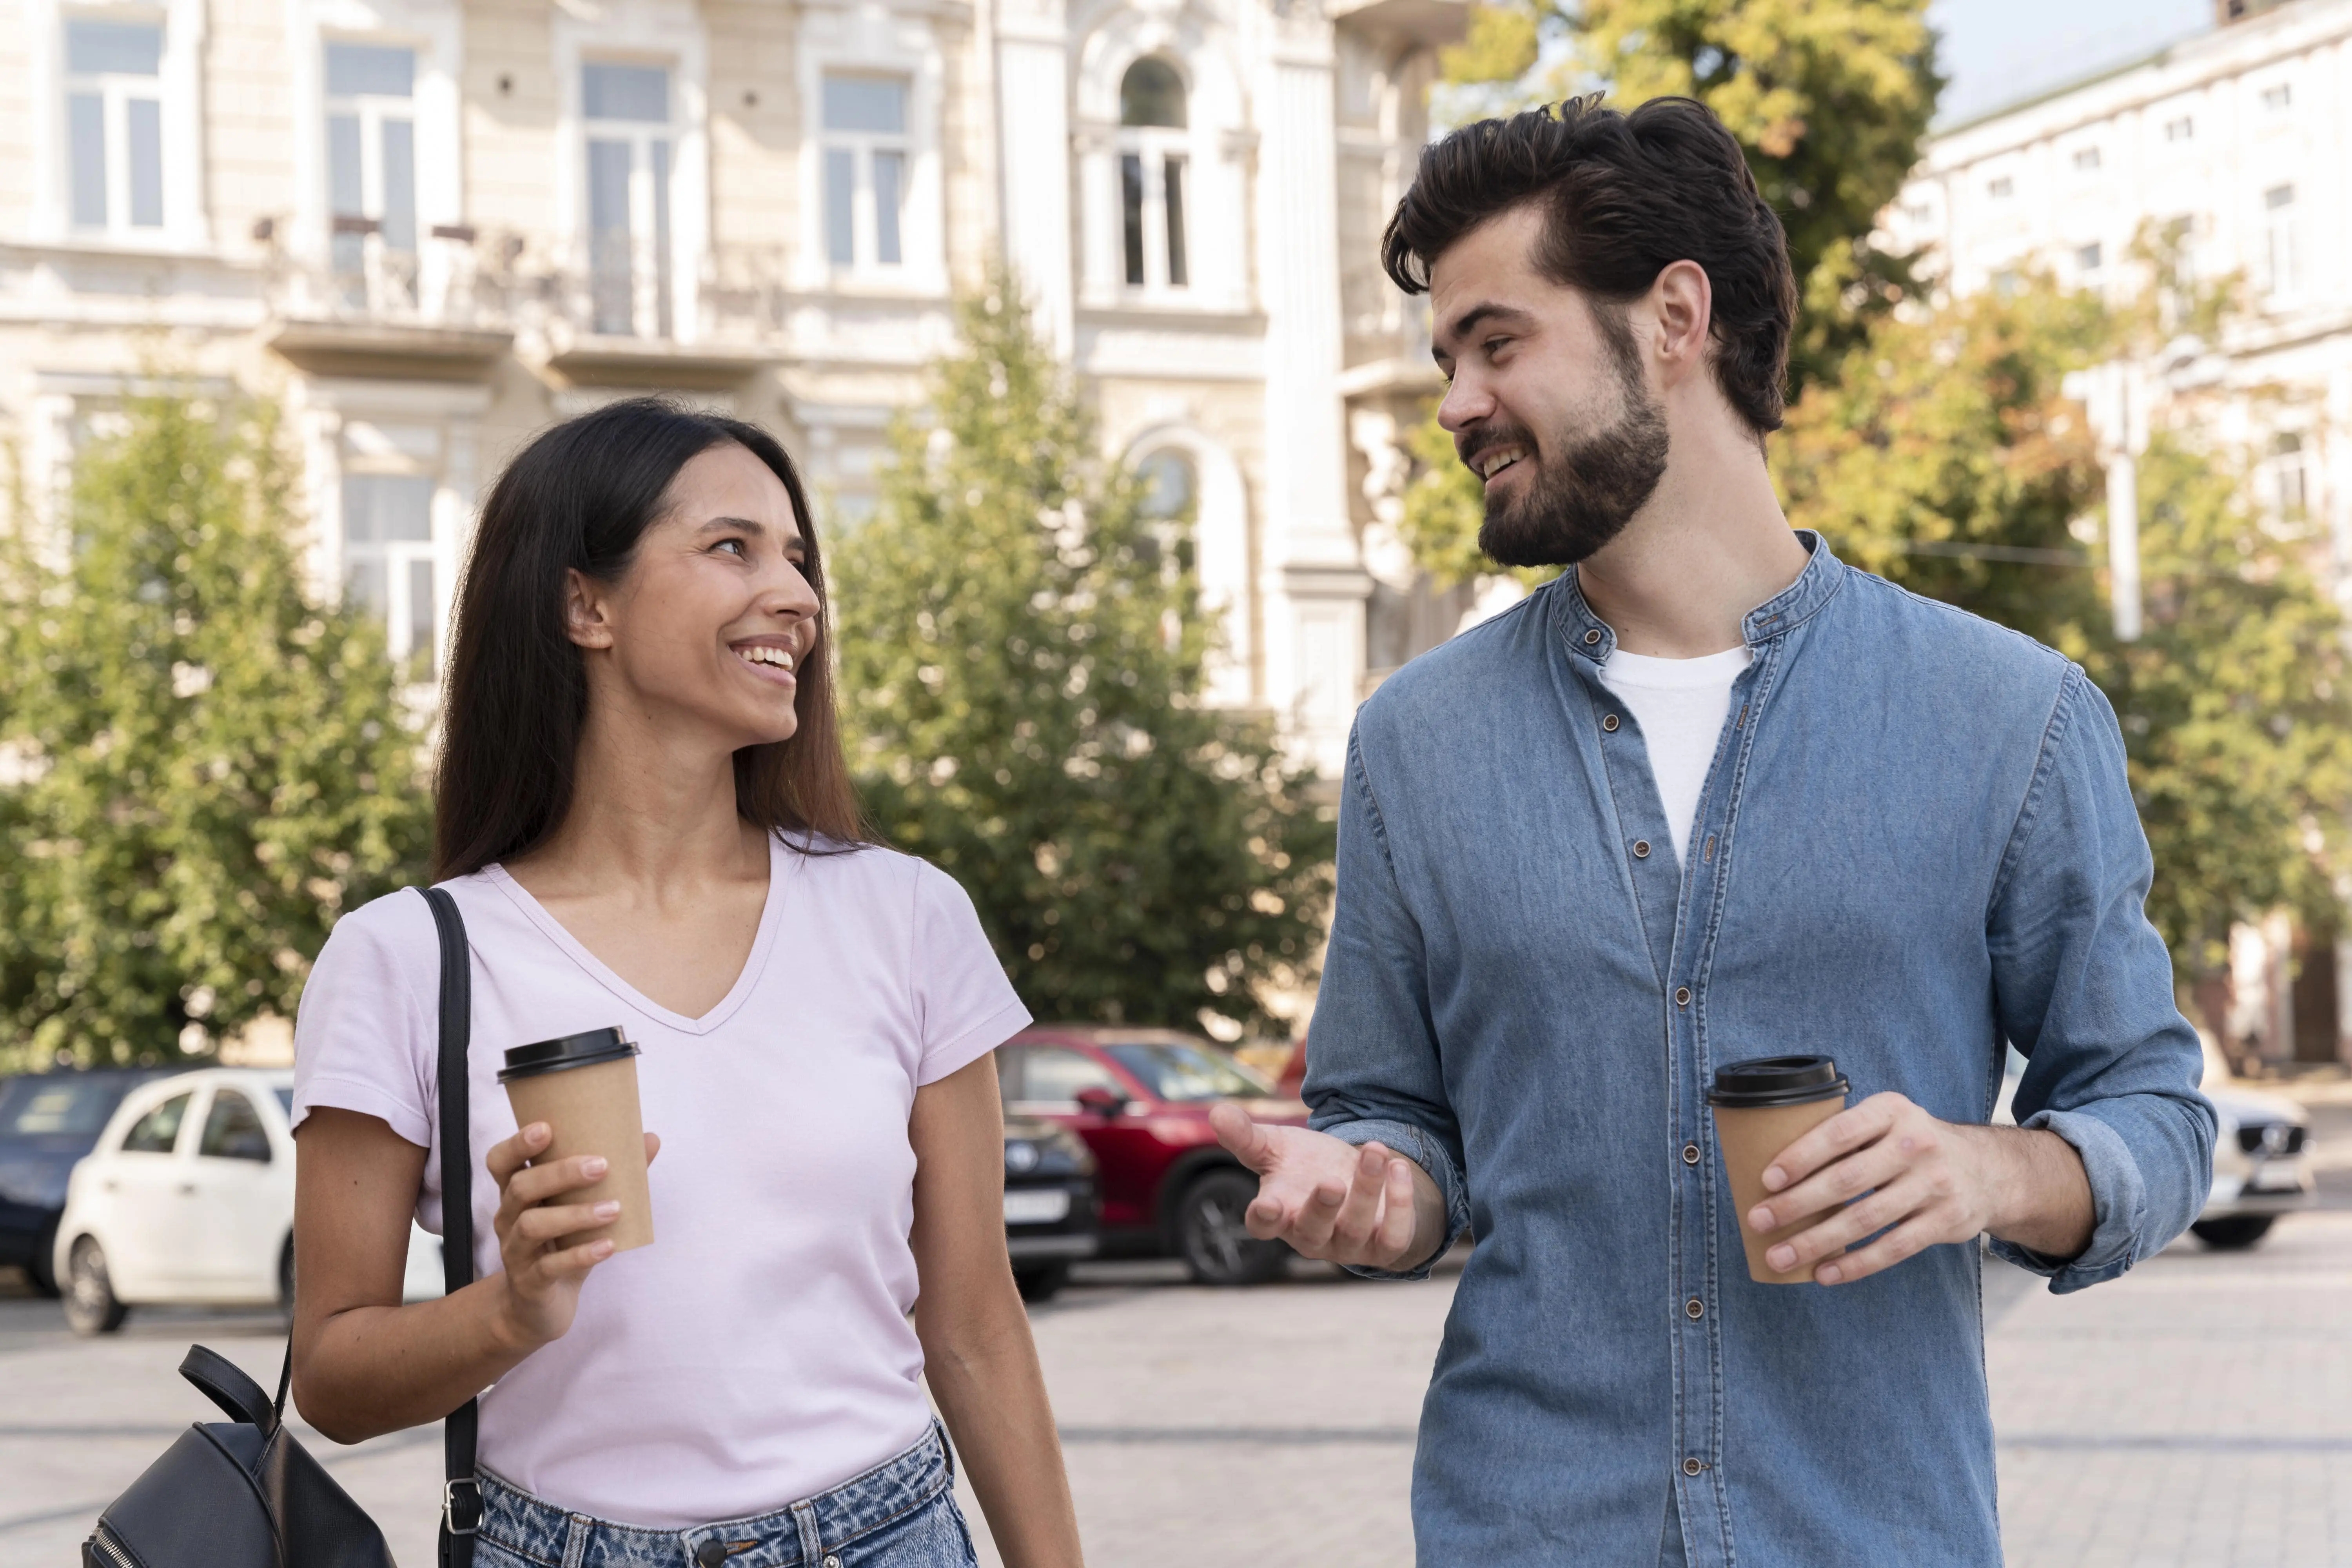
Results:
[758, 1353]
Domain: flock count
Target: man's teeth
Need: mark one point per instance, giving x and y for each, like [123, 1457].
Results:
[763, 654]
[1495, 462]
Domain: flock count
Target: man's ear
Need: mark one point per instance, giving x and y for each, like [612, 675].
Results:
[587, 619]
[1683, 299]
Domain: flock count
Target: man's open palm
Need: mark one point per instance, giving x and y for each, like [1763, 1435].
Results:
[1333, 1200]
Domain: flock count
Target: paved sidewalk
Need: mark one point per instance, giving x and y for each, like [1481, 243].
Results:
[2197, 1414]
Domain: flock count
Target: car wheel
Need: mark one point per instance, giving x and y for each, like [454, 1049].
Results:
[2234, 1233]
[1040, 1282]
[90, 1306]
[1215, 1243]
[42, 1269]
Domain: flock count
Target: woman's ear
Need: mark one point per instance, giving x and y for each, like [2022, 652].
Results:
[586, 610]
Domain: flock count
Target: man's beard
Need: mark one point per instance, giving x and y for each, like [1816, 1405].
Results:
[1584, 491]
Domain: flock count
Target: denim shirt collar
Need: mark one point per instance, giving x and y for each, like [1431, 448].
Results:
[1589, 635]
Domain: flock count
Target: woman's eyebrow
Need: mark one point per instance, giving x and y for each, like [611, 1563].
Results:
[792, 541]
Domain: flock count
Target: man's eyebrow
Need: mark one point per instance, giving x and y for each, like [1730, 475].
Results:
[1468, 321]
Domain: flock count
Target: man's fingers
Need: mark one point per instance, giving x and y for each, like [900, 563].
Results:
[1898, 1199]
[1840, 1135]
[1396, 1219]
[1245, 1139]
[1360, 1211]
[1912, 1236]
[1829, 1188]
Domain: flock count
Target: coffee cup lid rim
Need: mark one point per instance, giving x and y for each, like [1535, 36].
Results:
[1757, 1082]
[587, 1048]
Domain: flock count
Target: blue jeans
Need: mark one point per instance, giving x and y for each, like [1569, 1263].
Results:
[901, 1513]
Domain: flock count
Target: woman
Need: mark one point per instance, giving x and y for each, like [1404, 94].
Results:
[644, 815]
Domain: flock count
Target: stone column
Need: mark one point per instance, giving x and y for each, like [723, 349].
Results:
[1032, 108]
[1315, 584]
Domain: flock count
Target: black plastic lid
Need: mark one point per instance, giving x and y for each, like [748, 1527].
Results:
[570, 1051]
[1763, 1081]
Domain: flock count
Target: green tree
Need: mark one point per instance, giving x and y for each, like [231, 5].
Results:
[1022, 653]
[203, 765]
[1950, 460]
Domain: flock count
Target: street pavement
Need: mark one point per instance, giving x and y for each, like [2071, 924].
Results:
[2196, 1414]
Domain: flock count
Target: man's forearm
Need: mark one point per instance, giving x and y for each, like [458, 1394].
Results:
[2041, 1194]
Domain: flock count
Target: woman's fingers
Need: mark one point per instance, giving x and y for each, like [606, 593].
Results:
[548, 1222]
[653, 1146]
[537, 1184]
[511, 1154]
[573, 1260]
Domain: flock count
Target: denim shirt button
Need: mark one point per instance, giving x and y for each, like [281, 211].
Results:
[1693, 1467]
[1690, 1154]
[1682, 995]
[1641, 849]
[1694, 1308]
[1609, 722]
[1591, 636]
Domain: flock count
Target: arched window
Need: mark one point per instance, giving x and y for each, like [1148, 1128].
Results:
[1153, 151]
[1169, 486]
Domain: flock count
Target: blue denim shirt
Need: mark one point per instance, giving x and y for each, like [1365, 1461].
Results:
[1916, 841]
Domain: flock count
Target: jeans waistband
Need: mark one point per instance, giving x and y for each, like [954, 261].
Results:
[799, 1536]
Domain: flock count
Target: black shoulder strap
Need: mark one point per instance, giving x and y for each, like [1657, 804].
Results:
[461, 1496]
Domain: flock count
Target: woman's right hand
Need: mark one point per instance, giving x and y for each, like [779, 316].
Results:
[542, 1283]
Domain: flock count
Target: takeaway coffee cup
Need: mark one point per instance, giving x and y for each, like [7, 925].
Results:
[1761, 1106]
[584, 1087]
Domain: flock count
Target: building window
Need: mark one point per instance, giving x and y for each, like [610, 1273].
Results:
[372, 171]
[866, 155]
[2182, 130]
[1152, 160]
[114, 124]
[2086, 158]
[2281, 260]
[2000, 189]
[388, 560]
[2089, 257]
[2278, 96]
[2288, 486]
[629, 148]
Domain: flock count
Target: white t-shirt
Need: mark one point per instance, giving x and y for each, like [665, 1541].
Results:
[759, 1351]
[1681, 704]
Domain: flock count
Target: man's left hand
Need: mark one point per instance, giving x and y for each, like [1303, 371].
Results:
[1887, 1165]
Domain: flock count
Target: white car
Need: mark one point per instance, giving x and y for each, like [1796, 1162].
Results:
[2262, 1164]
[188, 1199]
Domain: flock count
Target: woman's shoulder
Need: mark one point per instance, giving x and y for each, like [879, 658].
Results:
[397, 933]
[891, 878]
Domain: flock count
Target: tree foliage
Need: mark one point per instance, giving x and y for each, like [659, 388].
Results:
[1023, 652]
[203, 765]
[1950, 460]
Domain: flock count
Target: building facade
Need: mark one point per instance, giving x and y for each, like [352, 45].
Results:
[432, 227]
[2237, 145]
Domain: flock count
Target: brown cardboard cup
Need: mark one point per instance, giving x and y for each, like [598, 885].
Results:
[1761, 1106]
[584, 1087]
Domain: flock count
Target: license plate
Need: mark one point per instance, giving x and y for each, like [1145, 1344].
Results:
[1035, 1209]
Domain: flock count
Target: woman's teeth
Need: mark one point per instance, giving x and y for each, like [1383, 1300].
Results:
[763, 654]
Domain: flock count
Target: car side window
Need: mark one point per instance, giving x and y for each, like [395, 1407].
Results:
[155, 1132]
[1053, 1074]
[234, 1131]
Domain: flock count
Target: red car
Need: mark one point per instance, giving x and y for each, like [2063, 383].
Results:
[1140, 1100]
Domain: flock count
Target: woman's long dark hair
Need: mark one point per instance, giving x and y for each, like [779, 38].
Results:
[579, 498]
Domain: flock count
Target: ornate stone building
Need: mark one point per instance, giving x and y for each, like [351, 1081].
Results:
[431, 226]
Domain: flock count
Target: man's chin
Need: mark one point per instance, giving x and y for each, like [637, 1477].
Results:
[1511, 539]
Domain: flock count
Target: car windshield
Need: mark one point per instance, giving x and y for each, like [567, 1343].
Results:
[1181, 1072]
[285, 1101]
[43, 1106]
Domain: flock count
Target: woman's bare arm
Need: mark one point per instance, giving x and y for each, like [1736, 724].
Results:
[366, 1364]
[977, 1356]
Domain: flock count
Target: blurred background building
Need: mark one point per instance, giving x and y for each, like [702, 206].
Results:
[431, 226]
[2235, 145]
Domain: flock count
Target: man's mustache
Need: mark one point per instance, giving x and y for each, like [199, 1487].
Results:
[1480, 438]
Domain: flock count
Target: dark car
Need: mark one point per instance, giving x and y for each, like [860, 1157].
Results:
[1049, 1203]
[1140, 1099]
[47, 1123]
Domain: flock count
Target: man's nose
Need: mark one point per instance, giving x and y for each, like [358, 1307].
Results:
[1464, 404]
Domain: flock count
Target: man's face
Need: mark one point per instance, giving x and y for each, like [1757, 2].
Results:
[1547, 400]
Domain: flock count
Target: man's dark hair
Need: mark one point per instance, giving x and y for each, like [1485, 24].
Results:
[1626, 195]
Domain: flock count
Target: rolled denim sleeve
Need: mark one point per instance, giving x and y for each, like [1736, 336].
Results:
[2084, 990]
[1374, 1071]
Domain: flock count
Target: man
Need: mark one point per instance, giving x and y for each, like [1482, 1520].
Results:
[1709, 795]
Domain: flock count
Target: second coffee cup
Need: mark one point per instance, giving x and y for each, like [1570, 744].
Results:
[584, 1087]
[1761, 1106]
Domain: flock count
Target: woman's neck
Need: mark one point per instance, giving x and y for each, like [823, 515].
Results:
[651, 813]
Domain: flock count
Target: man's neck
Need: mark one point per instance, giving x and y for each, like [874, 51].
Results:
[1710, 545]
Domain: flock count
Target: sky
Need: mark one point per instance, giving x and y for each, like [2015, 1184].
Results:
[1995, 51]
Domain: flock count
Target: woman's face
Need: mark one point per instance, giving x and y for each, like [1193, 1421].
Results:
[712, 619]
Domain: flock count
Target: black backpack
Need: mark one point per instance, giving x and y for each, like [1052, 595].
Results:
[242, 1494]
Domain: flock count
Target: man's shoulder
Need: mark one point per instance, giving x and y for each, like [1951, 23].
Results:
[1925, 642]
[1468, 669]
